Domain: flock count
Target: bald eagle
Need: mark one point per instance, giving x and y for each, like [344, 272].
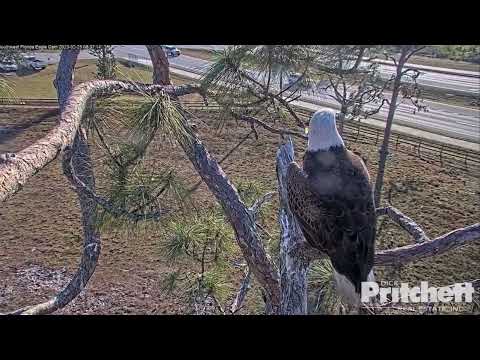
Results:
[332, 199]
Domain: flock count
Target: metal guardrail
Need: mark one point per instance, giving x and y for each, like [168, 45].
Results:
[28, 102]
[425, 149]
[354, 131]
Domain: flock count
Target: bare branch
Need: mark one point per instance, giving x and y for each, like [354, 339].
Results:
[255, 208]
[277, 97]
[392, 58]
[91, 246]
[254, 121]
[242, 292]
[413, 52]
[80, 160]
[405, 222]
[439, 245]
[237, 213]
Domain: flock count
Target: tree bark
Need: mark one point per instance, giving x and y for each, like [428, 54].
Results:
[161, 71]
[359, 59]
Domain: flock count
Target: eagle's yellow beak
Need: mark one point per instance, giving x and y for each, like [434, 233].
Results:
[306, 131]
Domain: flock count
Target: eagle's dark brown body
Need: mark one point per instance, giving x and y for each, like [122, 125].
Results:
[332, 200]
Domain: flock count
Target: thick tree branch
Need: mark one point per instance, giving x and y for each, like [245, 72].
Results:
[91, 246]
[437, 246]
[239, 216]
[225, 157]
[78, 159]
[26, 163]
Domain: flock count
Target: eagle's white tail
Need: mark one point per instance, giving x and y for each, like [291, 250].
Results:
[346, 289]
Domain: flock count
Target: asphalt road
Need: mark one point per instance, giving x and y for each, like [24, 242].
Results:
[441, 81]
[454, 121]
[447, 120]
[438, 80]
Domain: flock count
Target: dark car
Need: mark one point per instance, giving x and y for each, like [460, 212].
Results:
[33, 63]
[8, 65]
[171, 51]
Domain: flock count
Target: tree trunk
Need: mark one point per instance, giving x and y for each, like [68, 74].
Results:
[65, 75]
[359, 58]
[293, 264]
[161, 70]
[341, 119]
[388, 128]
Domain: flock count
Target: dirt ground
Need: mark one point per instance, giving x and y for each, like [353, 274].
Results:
[41, 239]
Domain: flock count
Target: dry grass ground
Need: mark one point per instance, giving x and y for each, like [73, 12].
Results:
[445, 63]
[41, 233]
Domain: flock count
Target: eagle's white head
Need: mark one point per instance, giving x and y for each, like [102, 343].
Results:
[322, 131]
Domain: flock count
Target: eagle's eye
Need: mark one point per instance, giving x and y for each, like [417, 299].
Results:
[306, 131]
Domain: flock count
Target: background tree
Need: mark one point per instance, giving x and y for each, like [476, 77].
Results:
[404, 85]
[353, 82]
[106, 62]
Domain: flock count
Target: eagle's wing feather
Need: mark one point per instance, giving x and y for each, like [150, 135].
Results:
[341, 223]
[306, 207]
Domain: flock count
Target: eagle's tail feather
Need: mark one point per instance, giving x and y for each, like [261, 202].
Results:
[346, 289]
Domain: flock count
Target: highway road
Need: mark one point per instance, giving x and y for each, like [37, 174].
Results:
[454, 121]
[448, 120]
[437, 78]
[448, 82]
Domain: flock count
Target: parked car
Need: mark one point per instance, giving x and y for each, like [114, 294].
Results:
[33, 63]
[171, 51]
[8, 66]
